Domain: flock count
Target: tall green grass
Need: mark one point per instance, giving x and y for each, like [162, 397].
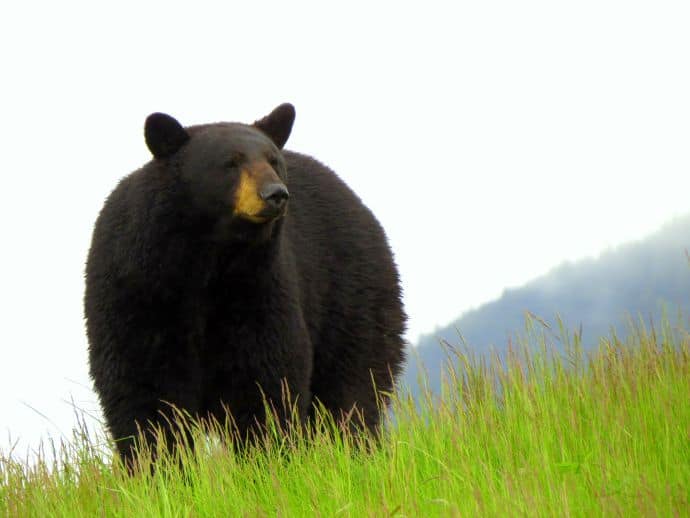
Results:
[537, 431]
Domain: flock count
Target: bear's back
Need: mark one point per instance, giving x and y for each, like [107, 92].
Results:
[344, 263]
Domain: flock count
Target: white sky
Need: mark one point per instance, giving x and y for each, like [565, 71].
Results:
[492, 139]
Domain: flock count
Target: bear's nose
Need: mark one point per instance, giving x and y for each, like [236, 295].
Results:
[275, 195]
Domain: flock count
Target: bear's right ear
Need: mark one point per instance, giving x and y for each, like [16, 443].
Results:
[164, 135]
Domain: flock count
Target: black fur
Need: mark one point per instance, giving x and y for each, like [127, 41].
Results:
[187, 304]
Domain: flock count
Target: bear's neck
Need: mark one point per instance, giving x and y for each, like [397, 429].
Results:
[242, 261]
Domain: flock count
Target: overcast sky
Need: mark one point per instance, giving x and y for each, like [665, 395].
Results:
[493, 140]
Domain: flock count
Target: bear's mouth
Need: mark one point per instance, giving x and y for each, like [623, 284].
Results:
[266, 215]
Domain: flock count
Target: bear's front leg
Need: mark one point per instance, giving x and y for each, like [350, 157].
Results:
[252, 368]
[140, 414]
[144, 364]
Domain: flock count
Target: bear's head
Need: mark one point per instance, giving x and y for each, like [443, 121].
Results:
[234, 174]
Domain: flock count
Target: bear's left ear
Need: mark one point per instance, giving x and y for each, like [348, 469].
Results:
[278, 124]
[164, 135]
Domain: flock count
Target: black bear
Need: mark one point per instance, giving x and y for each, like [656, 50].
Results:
[225, 269]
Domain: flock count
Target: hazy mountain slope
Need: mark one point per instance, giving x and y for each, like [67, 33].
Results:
[636, 278]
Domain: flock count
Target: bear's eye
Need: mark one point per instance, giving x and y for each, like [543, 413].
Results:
[274, 163]
[232, 163]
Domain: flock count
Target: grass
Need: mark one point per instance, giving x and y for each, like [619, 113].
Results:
[539, 431]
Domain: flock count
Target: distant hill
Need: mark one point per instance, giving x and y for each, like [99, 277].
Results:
[596, 295]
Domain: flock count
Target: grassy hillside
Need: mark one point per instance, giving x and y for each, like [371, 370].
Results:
[542, 433]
